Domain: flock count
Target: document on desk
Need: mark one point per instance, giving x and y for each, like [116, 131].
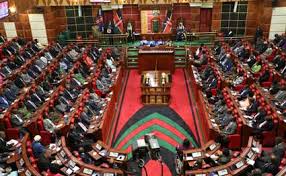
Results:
[256, 150]
[108, 174]
[72, 163]
[113, 154]
[75, 169]
[239, 164]
[69, 171]
[99, 147]
[250, 161]
[12, 142]
[250, 154]
[28, 173]
[196, 154]
[189, 158]
[87, 171]
[213, 146]
[222, 172]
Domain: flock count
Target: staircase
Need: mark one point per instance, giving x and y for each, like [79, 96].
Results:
[180, 56]
[132, 57]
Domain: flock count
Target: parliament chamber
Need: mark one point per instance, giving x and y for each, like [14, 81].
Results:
[143, 87]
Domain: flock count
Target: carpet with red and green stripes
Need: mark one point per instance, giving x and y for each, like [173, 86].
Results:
[170, 124]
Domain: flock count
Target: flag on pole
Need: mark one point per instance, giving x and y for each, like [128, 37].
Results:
[117, 20]
[167, 27]
[99, 20]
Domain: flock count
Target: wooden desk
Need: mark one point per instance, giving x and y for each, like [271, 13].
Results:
[155, 87]
[235, 167]
[29, 168]
[156, 58]
[83, 166]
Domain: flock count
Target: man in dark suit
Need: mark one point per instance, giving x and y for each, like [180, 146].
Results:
[3, 144]
[225, 157]
[4, 104]
[252, 108]
[266, 125]
[2, 38]
[279, 149]
[230, 128]
[202, 61]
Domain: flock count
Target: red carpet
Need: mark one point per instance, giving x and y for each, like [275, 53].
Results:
[179, 100]
[131, 103]
[154, 169]
[148, 124]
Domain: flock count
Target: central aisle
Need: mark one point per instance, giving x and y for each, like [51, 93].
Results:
[171, 124]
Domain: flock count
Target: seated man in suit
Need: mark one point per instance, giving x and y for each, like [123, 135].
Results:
[278, 150]
[85, 157]
[267, 52]
[268, 165]
[266, 125]
[4, 104]
[225, 157]
[181, 32]
[253, 106]
[2, 38]
[230, 128]
[203, 60]
[38, 148]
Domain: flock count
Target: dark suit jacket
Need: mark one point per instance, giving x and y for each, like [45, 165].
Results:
[19, 82]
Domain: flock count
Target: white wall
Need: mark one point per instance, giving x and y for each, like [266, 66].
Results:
[278, 21]
[10, 30]
[38, 27]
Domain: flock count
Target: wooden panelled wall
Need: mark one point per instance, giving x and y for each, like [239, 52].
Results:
[259, 13]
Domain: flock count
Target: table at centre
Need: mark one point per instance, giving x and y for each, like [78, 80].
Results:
[155, 87]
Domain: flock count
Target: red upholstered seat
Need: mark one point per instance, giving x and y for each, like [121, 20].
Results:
[214, 92]
[239, 87]
[7, 123]
[235, 139]
[266, 84]
[32, 127]
[268, 138]
[46, 137]
[12, 133]
[40, 124]
[30, 152]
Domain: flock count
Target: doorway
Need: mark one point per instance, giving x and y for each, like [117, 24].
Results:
[206, 20]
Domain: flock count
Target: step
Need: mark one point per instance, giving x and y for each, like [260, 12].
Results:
[132, 49]
[132, 66]
[180, 58]
[132, 54]
[132, 58]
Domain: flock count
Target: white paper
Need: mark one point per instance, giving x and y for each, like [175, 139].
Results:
[213, 146]
[250, 161]
[75, 169]
[239, 164]
[255, 149]
[189, 158]
[196, 154]
[222, 172]
[87, 171]
[113, 154]
[69, 171]
[99, 147]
